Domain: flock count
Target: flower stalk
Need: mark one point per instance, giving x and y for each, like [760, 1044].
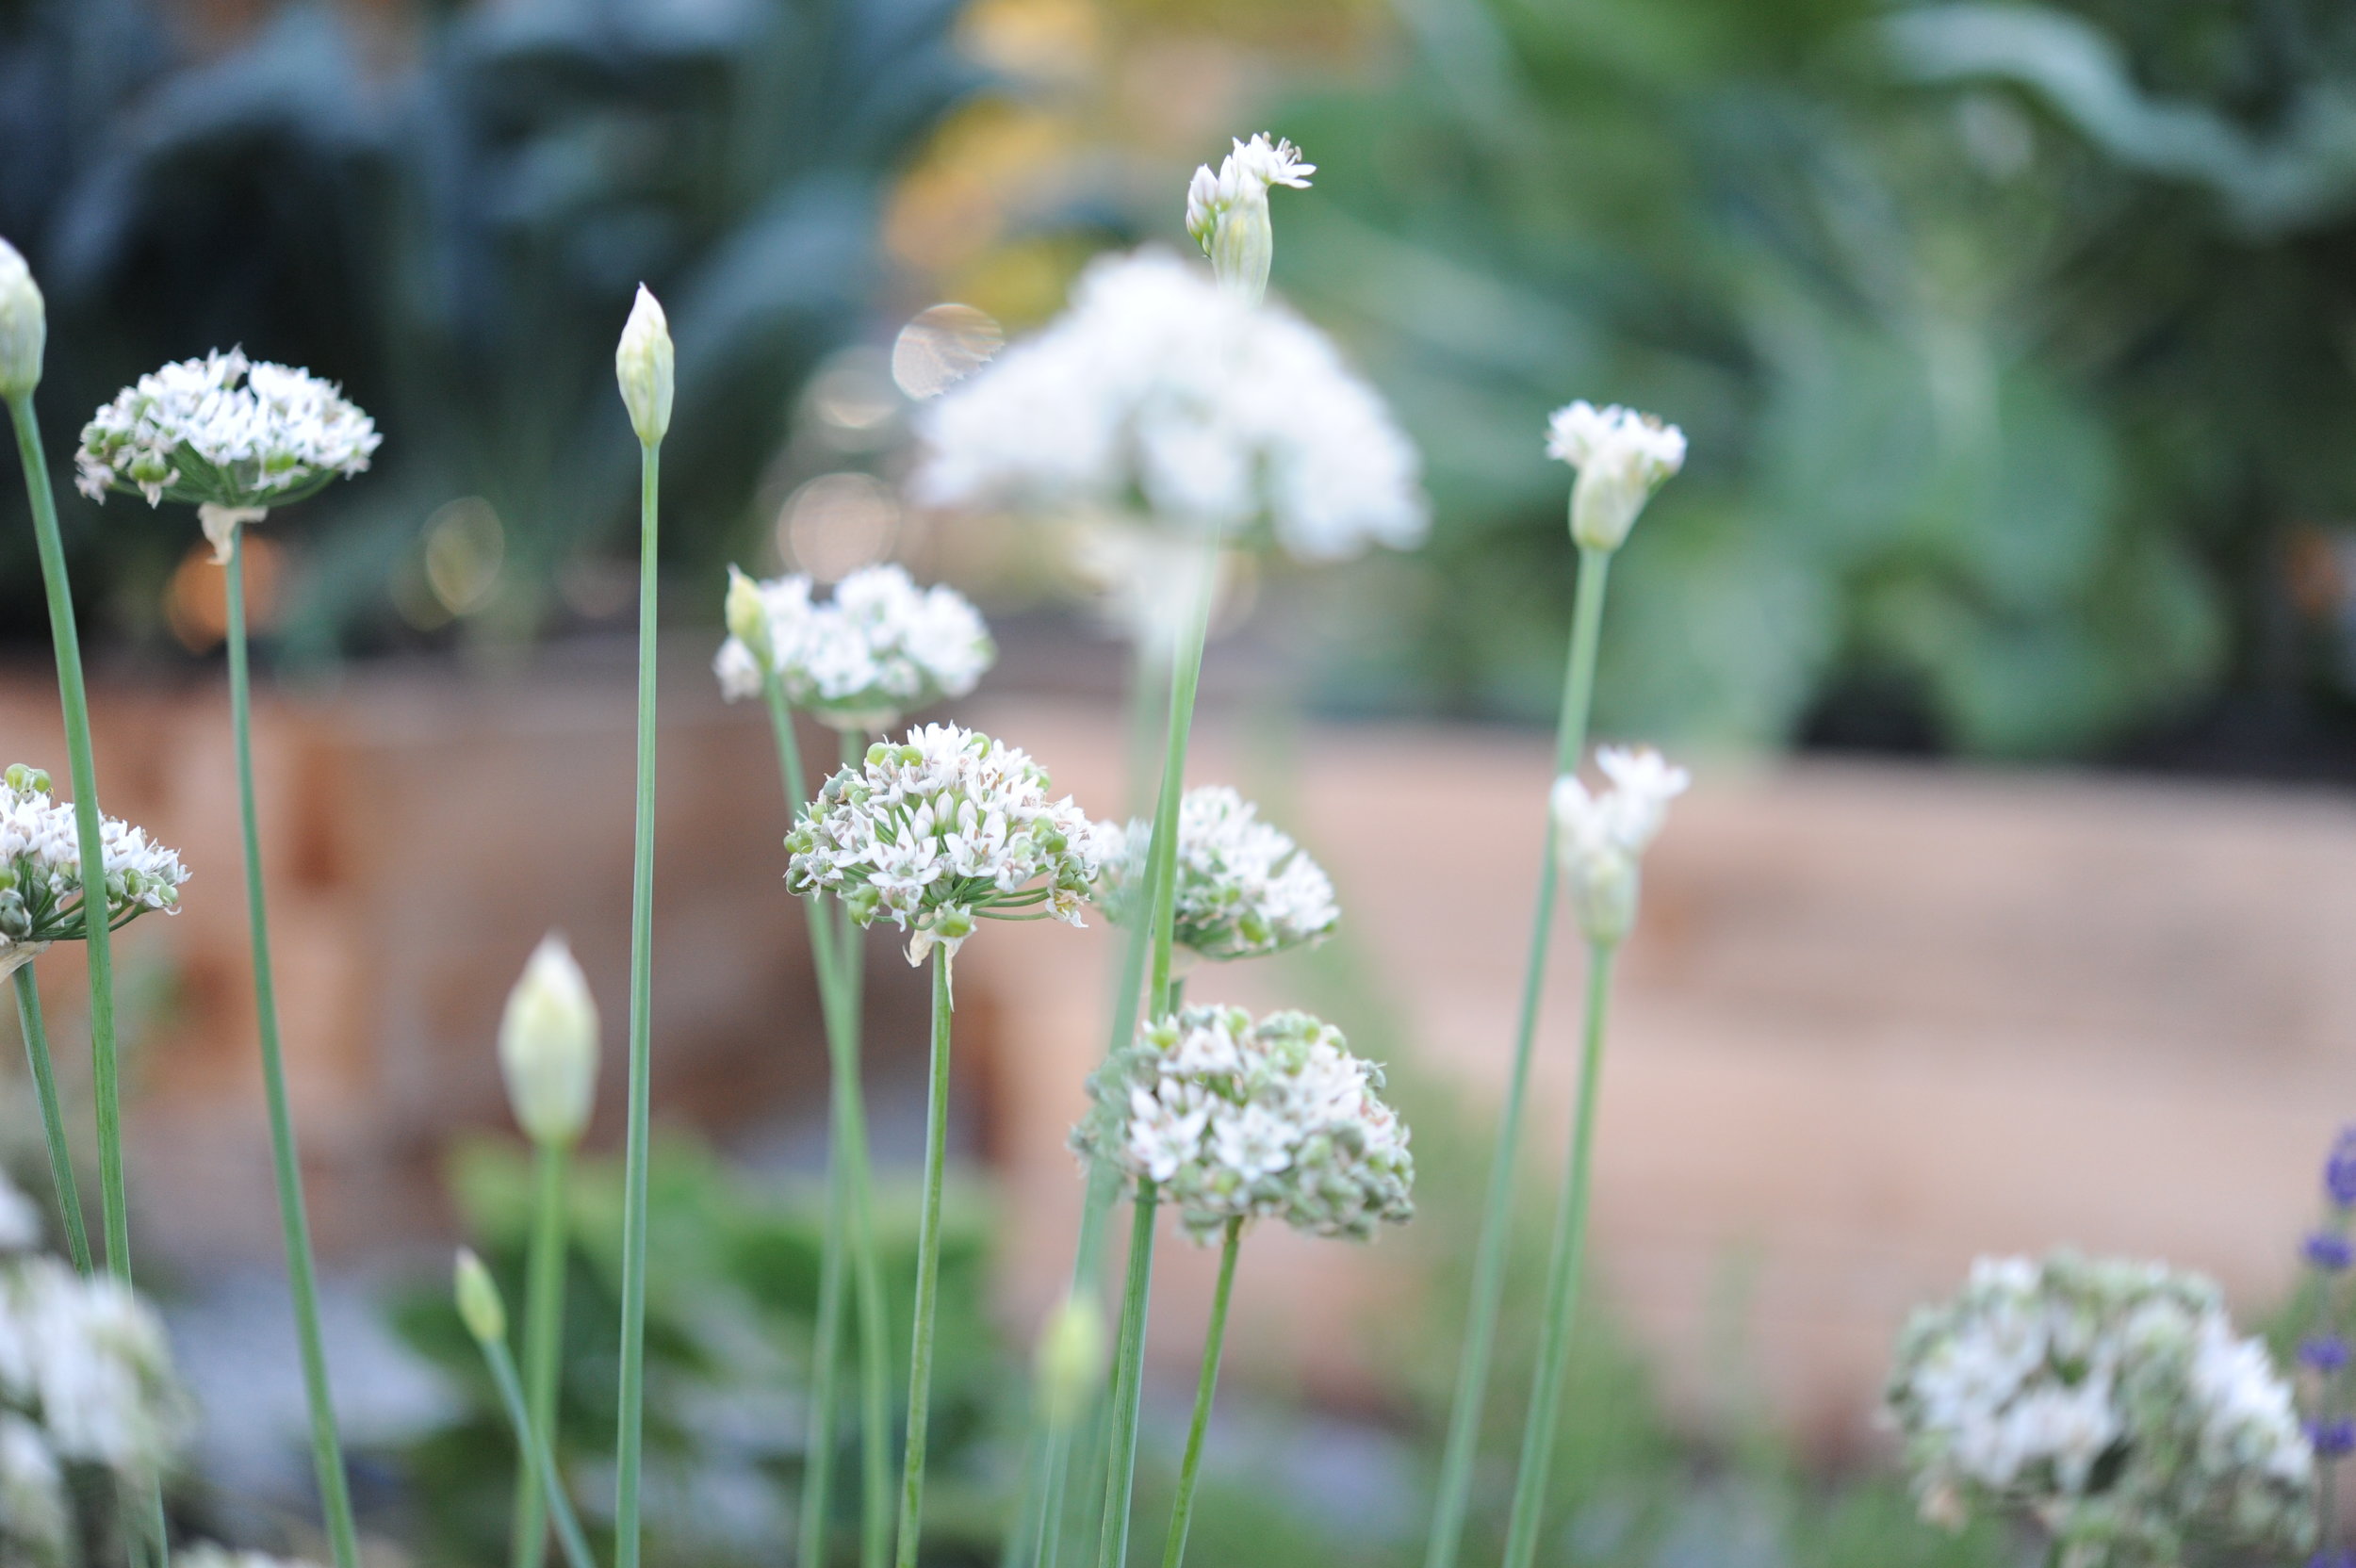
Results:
[485, 1316]
[1214, 1342]
[544, 1344]
[52, 1118]
[927, 1271]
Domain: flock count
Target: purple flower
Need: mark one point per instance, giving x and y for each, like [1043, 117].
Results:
[2333, 1435]
[2326, 1353]
[2329, 1250]
[2339, 1170]
[2328, 1559]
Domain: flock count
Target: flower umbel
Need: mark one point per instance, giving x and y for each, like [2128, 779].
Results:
[2111, 1401]
[1159, 391]
[1242, 1120]
[40, 869]
[1600, 838]
[942, 829]
[881, 648]
[1245, 890]
[1227, 211]
[225, 434]
[1622, 457]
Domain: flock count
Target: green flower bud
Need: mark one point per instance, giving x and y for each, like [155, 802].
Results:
[747, 615]
[23, 325]
[1070, 1363]
[643, 364]
[548, 1046]
[479, 1304]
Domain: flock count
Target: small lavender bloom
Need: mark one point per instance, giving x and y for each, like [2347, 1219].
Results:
[2324, 1352]
[2333, 1435]
[2330, 1250]
[2339, 1170]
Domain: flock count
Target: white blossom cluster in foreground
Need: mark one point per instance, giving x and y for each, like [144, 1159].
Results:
[1161, 391]
[1236, 1119]
[86, 1389]
[1600, 838]
[941, 829]
[41, 869]
[1245, 890]
[2113, 1403]
[880, 648]
[224, 431]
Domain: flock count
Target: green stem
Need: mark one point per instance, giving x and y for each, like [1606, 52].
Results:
[1488, 1282]
[631, 1423]
[326, 1448]
[1213, 1342]
[544, 1344]
[927, 1271]
[826, 1352]
[1121, 1458]
[1162, 852]
[74, 698]
[1562, 1279]
[52, 1118]
[539, 1463]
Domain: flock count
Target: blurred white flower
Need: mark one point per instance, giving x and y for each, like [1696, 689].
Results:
[1622, 457]
[41, 869]
[1227, 211]
[1158, 390]
[548, 1046]
[938, 830]
[881, 648]
[35, 1518]
[1237, 1119]
[204, 1554]
[23, 325]
[231, 435]
[1600, 840]
[1245, 890]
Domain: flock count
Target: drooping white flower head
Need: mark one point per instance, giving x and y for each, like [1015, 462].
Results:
[1622, 457]
[234, 437]
[1245, 890]
[1600, 838]
[2110, 1400]
[881, 648]
[1237, 1119]
[1227, 212]
[1157, 390]
[40, 869]
[939, 830]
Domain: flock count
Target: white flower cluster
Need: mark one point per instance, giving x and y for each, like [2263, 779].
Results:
[942, 829]
[2113, 1402]
[1245, 890]
[204, 1554]
[41, 869]
[881, 648]
[227, 431]
[85, 1384]
[1227, 212]
[1600, 840]
[1622, 457]
[1234, 1120]
[1160, 390]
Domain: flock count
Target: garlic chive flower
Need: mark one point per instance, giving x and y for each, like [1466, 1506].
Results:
[1237, 1119]
[1600, 840]
[939, 830]
[643, 364]
[2112, 1402]
[1227, 212]
[23, 325]
[1622, 457]
[1160, 392]
[548, 1046]
[40, 869]
[1245, 890]
[879, 649]
[233, 436]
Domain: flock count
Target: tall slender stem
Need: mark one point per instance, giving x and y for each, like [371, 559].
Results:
[539, 1461]
[1488, 1280]
[1185, 676]
[630, 1436]
[74, 698]
[52, 1117]
[825, 1358]
[1120, 1455]
[326, 1448]
[1562, 1279]
[1213, 1343]
[927, 1272]
[544, 1345]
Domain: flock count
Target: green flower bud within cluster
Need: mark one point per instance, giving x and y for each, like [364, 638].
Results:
[1237, 1119]
[1245, 890]
[2112, 1402]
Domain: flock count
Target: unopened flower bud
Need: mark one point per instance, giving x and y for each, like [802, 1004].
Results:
[1071, 1365]
[23, 325]
[748, 614]
[479, 1304]
[643, 364]
[548, 1046]
[1622, 457]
